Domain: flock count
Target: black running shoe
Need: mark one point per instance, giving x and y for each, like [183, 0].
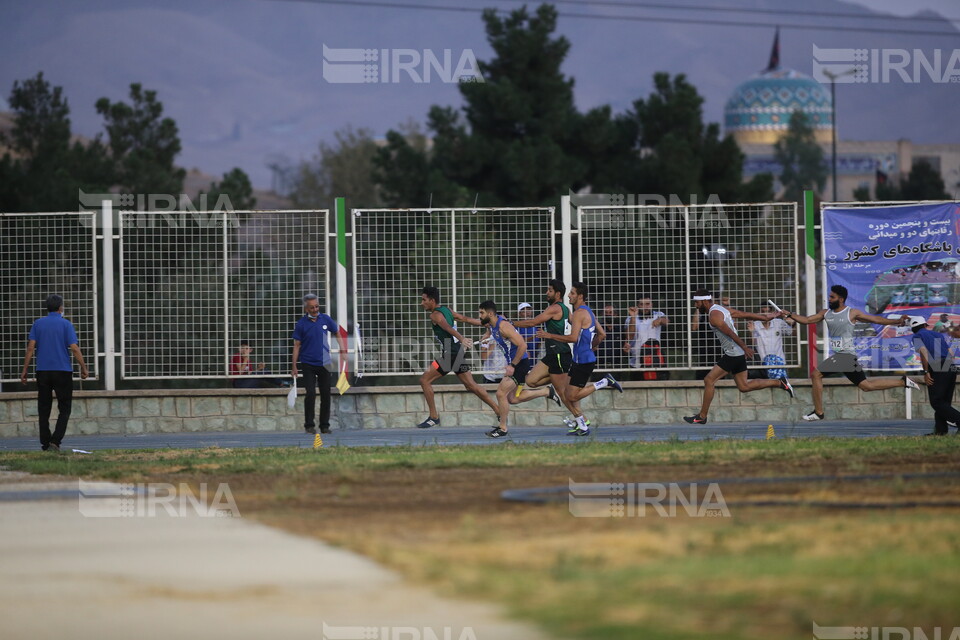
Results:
[429, 422]
[553, 395]
[695, 419]
[613, 384]
[497, 432]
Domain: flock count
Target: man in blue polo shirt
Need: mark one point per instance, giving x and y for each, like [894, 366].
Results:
[940, 373]
[311, 349]
[53, 338]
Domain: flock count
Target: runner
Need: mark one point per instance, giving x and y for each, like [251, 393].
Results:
[585, 335]
[451, 356]
[734, 353]
[843, 359]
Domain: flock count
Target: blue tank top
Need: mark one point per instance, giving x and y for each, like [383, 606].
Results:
[583, 349]
[509, 349]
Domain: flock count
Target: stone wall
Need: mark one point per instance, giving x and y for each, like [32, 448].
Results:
[145, 411]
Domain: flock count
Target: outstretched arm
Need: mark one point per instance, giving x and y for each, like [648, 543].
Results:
[580, 320]
[814, 319]
[553, 312]
[747, 315]
[859, 316]
[459, 317]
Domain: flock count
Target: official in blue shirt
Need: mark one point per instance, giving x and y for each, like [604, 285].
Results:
[940, 374]
[311, 348]
[53, 338]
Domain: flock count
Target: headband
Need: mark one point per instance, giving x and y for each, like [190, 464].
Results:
[707, 297]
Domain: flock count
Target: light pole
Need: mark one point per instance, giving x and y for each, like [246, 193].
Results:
[833, 119]
[718, 253]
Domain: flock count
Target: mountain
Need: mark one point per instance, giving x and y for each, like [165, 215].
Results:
[244, 79]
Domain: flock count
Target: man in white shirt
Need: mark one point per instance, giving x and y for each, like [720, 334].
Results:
[643, 327]
[768, 336]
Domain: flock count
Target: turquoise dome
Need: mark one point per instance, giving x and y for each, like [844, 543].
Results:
[759, 110]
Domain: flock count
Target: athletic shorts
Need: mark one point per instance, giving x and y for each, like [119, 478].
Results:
[733, 364]
[845, 363]
[557, 363]
[521, 370]
[452, 361]
[580, 373]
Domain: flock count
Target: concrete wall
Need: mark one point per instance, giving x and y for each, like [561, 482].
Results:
[145, 411]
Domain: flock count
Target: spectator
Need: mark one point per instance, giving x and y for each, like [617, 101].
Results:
[643, 329]
[614, 349]
[768, 336]
[53, 338]
[942, 325]
[525, 312]
[241, 364]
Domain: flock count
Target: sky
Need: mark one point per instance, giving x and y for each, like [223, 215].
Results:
[245, 82]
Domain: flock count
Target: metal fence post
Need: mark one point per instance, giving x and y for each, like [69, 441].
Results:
[566, 240]
[109, 350]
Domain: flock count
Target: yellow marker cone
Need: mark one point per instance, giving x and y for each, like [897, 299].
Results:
[317, 441]
[770, 434]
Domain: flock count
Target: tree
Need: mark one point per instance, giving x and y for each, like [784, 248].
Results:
[681, 157]
[342, 169]
[142, 143]
[43, 171]
[516, 141]
[408, 175]
[801, 158]
[236, 187]
[923, 183]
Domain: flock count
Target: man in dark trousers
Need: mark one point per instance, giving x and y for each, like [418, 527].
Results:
[53, 338]
[311, 348]
[940, 374]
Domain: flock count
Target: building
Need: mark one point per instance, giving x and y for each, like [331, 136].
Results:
[758, 114]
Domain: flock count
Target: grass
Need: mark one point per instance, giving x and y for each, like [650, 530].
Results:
[136, 465]
[434, 514]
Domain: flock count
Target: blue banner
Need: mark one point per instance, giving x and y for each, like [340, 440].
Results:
[895, 260]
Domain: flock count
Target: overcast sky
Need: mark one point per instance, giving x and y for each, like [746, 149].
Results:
[244, 78]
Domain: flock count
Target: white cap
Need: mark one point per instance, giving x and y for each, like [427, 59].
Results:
[917, 321]
[524, 305]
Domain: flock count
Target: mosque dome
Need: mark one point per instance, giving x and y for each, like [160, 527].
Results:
[759, 110]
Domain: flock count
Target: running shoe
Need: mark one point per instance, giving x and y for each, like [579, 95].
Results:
[497, 432]
[613, 384]
[786, 386]
[695, 419]
[429, 422]
[813, 416]
[579, 432]
[553, 395]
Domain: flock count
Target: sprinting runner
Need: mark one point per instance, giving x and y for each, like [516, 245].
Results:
[553, 366]
[451, 356]
[585, 335]
[843, 359]
[734, 353]
[519, 363]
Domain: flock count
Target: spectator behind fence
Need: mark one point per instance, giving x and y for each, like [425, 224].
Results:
[241, 364]
[643, 333]
[529, 334]
[613, 351]
[53, 338]
[768, 337]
